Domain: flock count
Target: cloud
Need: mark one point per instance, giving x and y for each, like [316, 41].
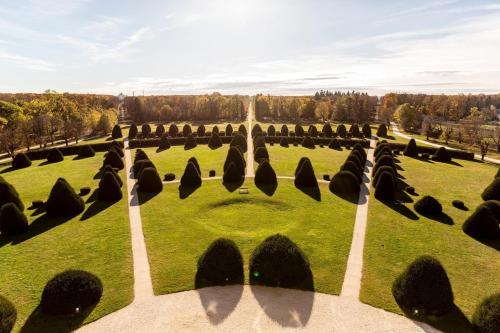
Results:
[26, 62]
[422, 9]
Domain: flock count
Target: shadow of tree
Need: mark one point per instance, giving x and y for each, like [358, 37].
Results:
[401, 209]
[453, 322]
[219, 301]
[441, 218]
[493, 243]
[96, 207]
[40, 322]
[40, 225]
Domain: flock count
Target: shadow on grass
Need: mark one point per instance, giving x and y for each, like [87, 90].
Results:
[441, 218]
[453, 322]
[9, 169]
[186, 191]
[401, 209]
[268, 189]
[455, 164]
[140, 198]
[37, 210]
[47, 163]
[98, 174]
[237, 201]
[493, 243]
[40, 322]
[313, 192]
[96, 207]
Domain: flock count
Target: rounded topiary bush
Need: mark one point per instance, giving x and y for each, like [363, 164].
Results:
[169, 177]
[378, 173]
[233, 173]
[308, 142]
[382, 131]
[191, 176]
[9, 194]
[114, 160]
[215, 141]
[441, 155]
[386, 160]
[229, 130]
[242, 130]
[385, 189]
[109, 188]
[239, 141]
[235, 156]
[486, 318]
[327, 130]
[261, 154]
[190, 142]
[334, 144]
[54, 155]
[200, 131]
[345, 184]
[356, 159]
[149, 181]
[160, 130]
[256, 130]
[221, 264]
[279, 262]
[8, 315]
[284, 130]
[284, 142]
[483, 223]
[116, 133]
[305, 176]
[145, 130]
[354, 168]
[70, 291]
[12, 220]
[108, 168]
[411, 149]
[492, 192]
[428, 205]
[140, 155]
[271, 131]
[354, 130]
[132, 132]
[341, 131]
[20, 161]
[312, 131]
[299, 130]
[117, 149]
[265, 174]
[424, 288]
[367, 131]
[63, 200]
[164, 142]
[359, 148]
[173, 131]
[86, 151]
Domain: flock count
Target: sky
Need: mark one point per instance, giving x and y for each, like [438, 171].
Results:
[288, 47]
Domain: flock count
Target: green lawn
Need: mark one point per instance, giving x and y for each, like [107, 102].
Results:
[394, 239]
[178, 231]
[100, 244]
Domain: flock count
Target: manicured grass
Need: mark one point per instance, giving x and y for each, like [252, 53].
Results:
[394, 239]
[178, 231]
[97, 241]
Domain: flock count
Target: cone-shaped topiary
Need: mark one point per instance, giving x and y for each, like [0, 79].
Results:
[359, 148]
[381, 146]
[411, 149]
[55, 155]
[356, 159]
[63, 200]
[299, 131]
[240, 142]
[482, 224]
[221, 264]
[149, 181]
[334, 144]
[308, 142]
[428, 205]
[12, 220]
[145, 130]
[385, 189]
[215, 141]
[265, 174]
[284, 142]
[8, 315]
[441, 155]
[140, 155]
[191, 176]
[279, 262]
[258, 142]
[9, 194]
[299, 165]
[354, 130]
[20, 161]
[271, 131]
[385, 160]
[492, 192]
[114, 160]
[190, 142]
[261, 154]
[367, 130]
[424, 288]
[164, 142]
[345, 184]
[229, 130]
[196, 164]
[235, 156]
[160, 130]
[354, 168]
[70, 291]
[486, 318]
[341, 131]
[382, 131]
[312, 131]
[200, 131]
[109, 188]
[173, 130]
[256, 130]
[132, 132]
[242, 130]
[233, 173]
[86, 151]
[108, 168]
[494, 205]
[305, 176]
[327, 130]
[284, 130]
[116, 133]
[378, 173]
[117, 149]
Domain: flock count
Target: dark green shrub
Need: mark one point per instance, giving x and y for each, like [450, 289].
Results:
[211, 173]
[486, 318]
[299, 165]
[441, 155]
[235, 156]
[411, 149]
[200, 131]
[55, 155]
[108, 168]
[271, 131]
[492, 192]
[354, 168]
[169, 177]
[258, 142]
[20, 161]
[334, 144]
[160, 130]
[279, 262]
[215, 141]
[382, 131]
[71, 291]
[367, 131]
[385, 189]
[191, 176]
[284, 130]
[261, 154]
[313, 131]
[132, 132]
[256, 130]
[63, 200]
[356, 159]
[378, 173]
[498, 173]
[190, 142]
[482, 224]
[196, 164]
[186, 130]
[8, 315]
[345, 184]
[382, 146]
[428, 205]
[221, 264]
[9, 194]
[265, 174]
[116, 149]
[424, 288]
[284, 142]
[410, 189]
[299, 131]
[229, 130]
[239, 141]
[86, 151]
[326, 177]
[149, 181]
[83, 192]
[327, 130]
[305, 176]
[215, 129]
[354, 130]
[12, 220]
[341, 131]
[308, 142]
[164, 142]
[382, 152]
[233, 173]
[425, 156]
[145, 130]
[242, 130]
[116, 133]
[359, 148]
[109, 188]
[114, 160]
[494, 205]
[386, 160]
[173, 131]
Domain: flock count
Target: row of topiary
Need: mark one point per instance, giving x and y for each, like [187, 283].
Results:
[327, 131]
[174, 132]
[346, 182]
[384, 172]
[148, 179]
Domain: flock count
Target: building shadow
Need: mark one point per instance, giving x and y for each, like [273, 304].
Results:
[40, 322]
[268, 189]
[220, 301]
[453, 322]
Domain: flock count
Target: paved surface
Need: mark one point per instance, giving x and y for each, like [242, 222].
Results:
[250, 171]
[352, 277]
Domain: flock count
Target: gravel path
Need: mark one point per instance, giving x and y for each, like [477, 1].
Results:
[250, 171]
